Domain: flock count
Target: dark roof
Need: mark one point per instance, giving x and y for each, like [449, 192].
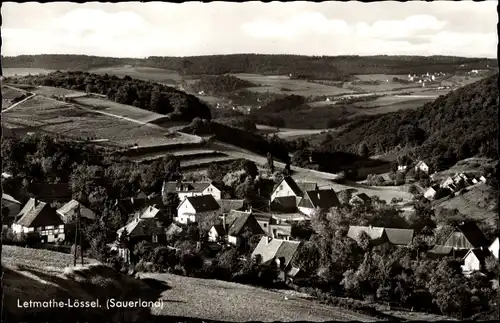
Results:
[219, 228]
[473, 234]
[142, 227]
[131, 205]
[9, 199]
[36, 213]
[446, 251]
[324, 199]
[245, 220]
[284, 203]
[399, 236]
[481, 254]
[374, 233]
[203, 203]
[364, 197]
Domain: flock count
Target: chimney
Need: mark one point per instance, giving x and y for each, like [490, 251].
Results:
[250, 208]
[132, 200]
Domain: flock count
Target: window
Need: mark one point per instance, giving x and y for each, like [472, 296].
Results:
[265, 225]
[155, 238]
[61, 226]
[49, 227]
[55, 236]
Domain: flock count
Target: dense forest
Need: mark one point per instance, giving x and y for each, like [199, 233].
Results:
[142, 94]
[220, 84]
[456, 126]
[305, 67]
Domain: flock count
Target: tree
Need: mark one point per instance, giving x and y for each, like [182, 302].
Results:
[250, 168]
[270, 163]
[363, 150]
[344, 196]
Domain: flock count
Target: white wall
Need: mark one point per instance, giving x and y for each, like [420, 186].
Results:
[494, 248]
[212, 235]
[50, 232]
[471, 263]
[282, 190]
[429, 194]
[212, 190]
[306, 210]
[232, 240]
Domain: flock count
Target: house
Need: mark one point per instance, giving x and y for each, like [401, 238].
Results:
[194, 208]
[402, 168]
[284, 204]
[440, 251]
[399, 237]
[483, 179]
[245, 222]
[288, 187]
[422, 166]
[448, 181]
[377, 235]
[430, 193]
[474, 260]
[173, 230]
[69, 212]
[494, 248]
[318, 199]
[216, 233]
[282, 252]
[37, 216]
[122, 251]
[360, 198]
[143, 227]
[475, 181]
[466, 236]
[184, 189]
[281, 231]
[265, 220]
[10, 208]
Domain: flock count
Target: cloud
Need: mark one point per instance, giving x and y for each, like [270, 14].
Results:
[393, 29]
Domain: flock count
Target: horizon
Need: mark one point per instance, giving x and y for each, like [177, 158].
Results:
[220, 28]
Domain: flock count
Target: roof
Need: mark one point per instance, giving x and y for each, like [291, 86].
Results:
[202, 203]
[141, 227]
[363, 197]
[228, 205]
[9, 198]
[241, 222]
[186, 186]
[283, 203]
[283, 229]
[131, 205]
[446, 251]
[36, 214]
[473, 234]
[292, 184]
[399, 236]
[150, 213]
[233, 215]
[373, 232]
[420, 163]
[276, 248]
[307, 186]
[324, 199]
[70, 209]
[481, 254]
[173, 229]
[494, 242]
[219, 228]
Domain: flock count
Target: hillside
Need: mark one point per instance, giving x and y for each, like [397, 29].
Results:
[220, 84]
[155, 97]
[319, 67]
[456, 126]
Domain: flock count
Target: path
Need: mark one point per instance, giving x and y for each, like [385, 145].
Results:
[22, 101]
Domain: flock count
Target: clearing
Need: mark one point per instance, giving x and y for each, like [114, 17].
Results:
[225, 301]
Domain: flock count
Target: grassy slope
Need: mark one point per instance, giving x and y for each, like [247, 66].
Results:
[40, 275]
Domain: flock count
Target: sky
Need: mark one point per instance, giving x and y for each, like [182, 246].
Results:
[134, 29]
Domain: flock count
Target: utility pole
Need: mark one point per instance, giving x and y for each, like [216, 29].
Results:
[79, 226]
[76, 237]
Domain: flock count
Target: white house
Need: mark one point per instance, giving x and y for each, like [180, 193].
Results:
[474, 260]
[482, 179]
[494, 248]
[69, 211]
[37, 216]
[431, 192]
[288, 187]
[422, 166]
[184, 189]
[402, 168]
[318, 199]
[194, 208]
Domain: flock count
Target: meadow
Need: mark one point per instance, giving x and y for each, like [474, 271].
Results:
[45, 115]
[283, 84]
[159, 75]
[22, 71]
[56, 91]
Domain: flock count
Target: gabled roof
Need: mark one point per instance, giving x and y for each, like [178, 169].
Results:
[473, 234]
[36, 214]
[236, 228]
[446, 251]
[399, 237]
[275, 249]
[307, 186]
[365, 198]
[219, 228]
[70, 210]
[292, 184]
[150, 212]
[173, 229]
[202, 203]
[9, 198]
[141, 227]
[284, 203]
[481, 254]
[324, 199]
[373, 232]
[131, 205]
[421, 162]
[283, 229]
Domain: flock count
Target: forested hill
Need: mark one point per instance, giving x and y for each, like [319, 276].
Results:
[319, 67]
[142, 94]
[461, 124]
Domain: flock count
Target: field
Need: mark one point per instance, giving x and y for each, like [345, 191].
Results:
[143, 73]
[56, 91]
[225, 301]
[9, 94]
[286, 132]
[22, 71]
[284, 85]
[121, 110]
[45, 115]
